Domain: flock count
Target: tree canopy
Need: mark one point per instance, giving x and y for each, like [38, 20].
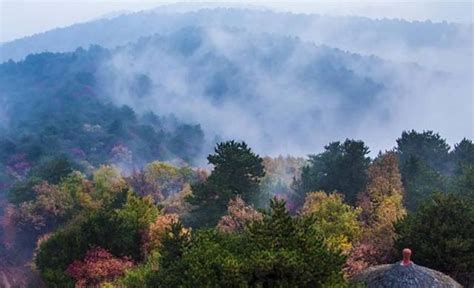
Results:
[441, 235]
[237, 172]
[342, 167]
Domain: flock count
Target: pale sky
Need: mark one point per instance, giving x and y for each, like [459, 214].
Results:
[19, 18]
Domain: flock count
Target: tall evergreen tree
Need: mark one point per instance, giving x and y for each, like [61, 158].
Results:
[464, 182]
[273, 231]
[342, 167]
[462, 156]
[420, 181]
[237, 172]
[290, 252]
[424, 165]
[427, 147]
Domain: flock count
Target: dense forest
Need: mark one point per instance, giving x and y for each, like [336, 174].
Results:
[80, 105]
[55, 107]
[250, 221]
[209, 77]
[233, 148]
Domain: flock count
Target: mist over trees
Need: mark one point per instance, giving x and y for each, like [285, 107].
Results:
[311, 174]
[260, 246]
[57, 113]
[123, 29]
[209, 60]
[355, 210]
[134, 224]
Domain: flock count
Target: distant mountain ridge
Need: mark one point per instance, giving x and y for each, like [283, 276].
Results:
[351, 32]
[278, 87]
[330, 77]
[169, 84]
[223, 72]
[52, 104]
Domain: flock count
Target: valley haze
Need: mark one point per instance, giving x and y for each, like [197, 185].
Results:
[243, 144]
[246, 73]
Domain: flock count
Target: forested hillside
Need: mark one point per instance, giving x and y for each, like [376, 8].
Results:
[345, 32]
[258, 58]
[98, 106]
[244, 223]
[235, 148]
[53, 107]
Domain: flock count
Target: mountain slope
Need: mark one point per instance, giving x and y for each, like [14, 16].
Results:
[52, 105]
[348, 33]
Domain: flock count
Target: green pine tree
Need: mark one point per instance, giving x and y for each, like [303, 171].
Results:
[237, 171]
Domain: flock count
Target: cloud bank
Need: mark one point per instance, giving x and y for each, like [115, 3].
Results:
[287, 96]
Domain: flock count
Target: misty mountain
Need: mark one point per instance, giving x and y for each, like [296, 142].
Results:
[279, 93]
[51, 105]
[386, 37]
[106, 126]
[254, 87]
[81, 101]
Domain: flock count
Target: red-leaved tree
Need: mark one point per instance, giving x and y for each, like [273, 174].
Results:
[239, 215]
[97, 267]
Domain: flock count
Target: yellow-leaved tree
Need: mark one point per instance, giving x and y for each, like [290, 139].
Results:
[336, 220]
[108, 183]
[382, 206]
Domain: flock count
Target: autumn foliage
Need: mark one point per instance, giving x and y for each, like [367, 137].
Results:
[135, 221]
[98, 266]
[382, 207]
[336, 220]
[158, 230]
[239, 215]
